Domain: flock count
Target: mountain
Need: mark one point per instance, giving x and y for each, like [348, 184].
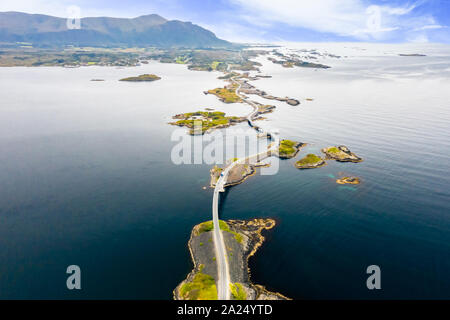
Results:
[148, 30]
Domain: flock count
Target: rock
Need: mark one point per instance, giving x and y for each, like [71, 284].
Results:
[348, 180]
[341, 154]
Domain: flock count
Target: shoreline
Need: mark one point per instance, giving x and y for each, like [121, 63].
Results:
[250, 232]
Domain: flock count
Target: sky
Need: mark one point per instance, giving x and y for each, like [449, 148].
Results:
[393, 21]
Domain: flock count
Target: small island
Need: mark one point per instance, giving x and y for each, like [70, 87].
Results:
[226, 94]
[412, 55]
[348, 180]
[238, 174]
[201, 122]
[341, 154]
[311, 161]
[247, 88]
[288, 149]
[142, 78]
[242, 239]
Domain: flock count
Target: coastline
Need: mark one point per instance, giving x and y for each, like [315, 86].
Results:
[251, 239]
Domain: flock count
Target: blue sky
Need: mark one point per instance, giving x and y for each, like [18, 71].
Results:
[278, 20]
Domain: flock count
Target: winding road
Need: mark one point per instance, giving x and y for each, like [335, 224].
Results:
[223, 280]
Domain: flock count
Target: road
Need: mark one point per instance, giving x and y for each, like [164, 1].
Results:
[223, 273]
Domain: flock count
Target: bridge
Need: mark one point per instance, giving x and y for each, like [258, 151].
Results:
[223, 278]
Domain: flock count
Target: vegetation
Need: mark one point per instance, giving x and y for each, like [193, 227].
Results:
[287, 147]
[142, 77]
[309, 159]
[203, 121]
[181, 60]
[334, 150]
[238, 291]
[202, 287]
[227, 94]
[209, 226]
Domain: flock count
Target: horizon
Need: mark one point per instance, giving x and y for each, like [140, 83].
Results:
[374, 21]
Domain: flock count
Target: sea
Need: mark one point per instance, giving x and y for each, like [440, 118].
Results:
[87, 177]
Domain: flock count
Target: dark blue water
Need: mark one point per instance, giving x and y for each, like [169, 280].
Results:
[98, 189]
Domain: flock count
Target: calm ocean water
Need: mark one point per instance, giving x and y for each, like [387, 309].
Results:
[86, 178]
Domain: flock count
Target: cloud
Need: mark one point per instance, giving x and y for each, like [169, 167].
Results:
[430, 26]
[355, 18]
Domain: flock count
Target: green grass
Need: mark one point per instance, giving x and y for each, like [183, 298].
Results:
[238, 291]
[286, 147]
[227, 94]
[237, 236]
[215, 64]
[209, 226]
[333, 150]
[181, 60]
[210, 120]
[309, 159]
[202, 287]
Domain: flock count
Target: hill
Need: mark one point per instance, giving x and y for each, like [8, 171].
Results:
[148, 30]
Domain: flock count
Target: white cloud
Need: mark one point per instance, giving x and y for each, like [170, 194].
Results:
[341, 17]
[430, 26]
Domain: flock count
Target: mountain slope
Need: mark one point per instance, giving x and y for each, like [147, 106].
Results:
[148, 30]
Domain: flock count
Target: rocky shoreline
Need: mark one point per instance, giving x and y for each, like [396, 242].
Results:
[341, 154]
[348, 180]
[242, 239]
[237, 175]
[247, 88]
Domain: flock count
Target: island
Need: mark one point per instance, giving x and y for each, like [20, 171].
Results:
[341, 154]
[226, 94]
[291, 62]
[238, 174]
[412, 55]
[348, 180]
[142, 78]
[311, 161]
[200, 122]
[288, 149]
[242, 239]
[247, 88]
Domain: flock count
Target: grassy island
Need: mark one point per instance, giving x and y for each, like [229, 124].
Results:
[201, 121]
[142, 78]
[288, 149]
[227, 94]
[310, 161]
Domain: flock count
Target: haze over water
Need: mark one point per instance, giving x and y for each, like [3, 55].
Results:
[86, 178]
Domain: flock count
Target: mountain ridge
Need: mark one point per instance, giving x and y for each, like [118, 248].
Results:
[145, 30]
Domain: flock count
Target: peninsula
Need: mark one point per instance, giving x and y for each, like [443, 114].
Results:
[242, 239]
